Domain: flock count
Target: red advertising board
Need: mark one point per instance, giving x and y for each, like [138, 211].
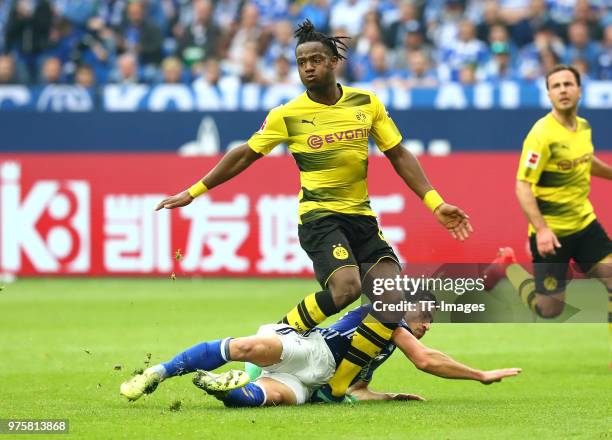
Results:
[80, 214]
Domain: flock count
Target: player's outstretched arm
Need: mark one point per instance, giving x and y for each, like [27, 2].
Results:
[439, 364]
[601, 169]
[233, 163]
[361, 392]
[454, 219]
[546, 239]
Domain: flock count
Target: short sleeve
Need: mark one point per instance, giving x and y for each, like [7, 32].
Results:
[385, 133]
[271, 133]
[533, 158]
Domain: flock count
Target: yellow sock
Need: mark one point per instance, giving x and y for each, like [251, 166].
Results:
[524, 284]
[368, 340]
[311, 311]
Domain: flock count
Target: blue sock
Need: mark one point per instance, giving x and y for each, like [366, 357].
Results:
[205, 356]
[249, 395]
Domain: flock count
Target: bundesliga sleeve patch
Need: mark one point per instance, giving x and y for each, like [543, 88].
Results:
[533, 159]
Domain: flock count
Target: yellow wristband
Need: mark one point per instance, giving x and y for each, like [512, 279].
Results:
[432, 199]
[197, 189]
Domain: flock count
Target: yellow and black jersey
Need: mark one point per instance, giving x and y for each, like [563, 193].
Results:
[330, 146]
[557, 162]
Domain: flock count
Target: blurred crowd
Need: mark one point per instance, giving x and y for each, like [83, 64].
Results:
[399, 43]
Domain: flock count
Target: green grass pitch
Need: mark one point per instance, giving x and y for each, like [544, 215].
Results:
[61, 340]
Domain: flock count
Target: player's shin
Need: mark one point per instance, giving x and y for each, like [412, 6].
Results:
[524, 284]
[367, 342]
[311, 311]
[205, 356]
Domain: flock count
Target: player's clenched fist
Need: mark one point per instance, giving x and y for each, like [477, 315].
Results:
[175, 201]
[547, 242]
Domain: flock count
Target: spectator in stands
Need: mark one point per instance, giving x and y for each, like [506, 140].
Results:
[414, 40]
[529, 63]
[377, 68]
[97, 49]
[604, 60]
[85, 77]
[490, 17]
[282, 45]
[466, 50]
[408, 21]
[250, 72]
[51, 71]
[248, 31]
[200, 40]
[499, 34]
[444, 29]
[140, 36]
[27, 32]
[211, 74]
[590, 16]
[283, 73]
[419, 74]
[538, 16]
[8, 74]
[370, 35]
[580, 45]
[358, 61]
[500, 66]
[172, 71]
[127, 70]
[63, 41]
[348, 14]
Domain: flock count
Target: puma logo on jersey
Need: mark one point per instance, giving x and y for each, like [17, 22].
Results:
[306, 121]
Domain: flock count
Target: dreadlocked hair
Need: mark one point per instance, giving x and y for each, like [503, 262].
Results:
[306, 32]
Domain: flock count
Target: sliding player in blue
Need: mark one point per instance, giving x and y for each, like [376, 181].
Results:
[294, 365]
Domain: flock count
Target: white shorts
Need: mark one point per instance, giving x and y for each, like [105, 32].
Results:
[306, 362]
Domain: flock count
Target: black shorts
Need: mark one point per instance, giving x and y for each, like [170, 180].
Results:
[586, 248]
[340, 240]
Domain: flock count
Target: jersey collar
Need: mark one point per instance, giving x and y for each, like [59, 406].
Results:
[342, 96]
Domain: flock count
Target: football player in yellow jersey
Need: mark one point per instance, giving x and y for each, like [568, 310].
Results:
[552, 187]
[327, 130]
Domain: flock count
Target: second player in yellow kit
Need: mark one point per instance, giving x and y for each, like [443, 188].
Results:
[557, 162]
[553, 185]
